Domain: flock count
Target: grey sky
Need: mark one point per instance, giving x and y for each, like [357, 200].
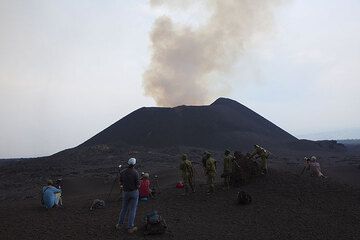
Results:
[68, 69]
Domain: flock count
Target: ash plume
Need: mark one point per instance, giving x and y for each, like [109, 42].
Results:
[185, 59]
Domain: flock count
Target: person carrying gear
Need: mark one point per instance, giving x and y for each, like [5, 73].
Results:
[263, 154]
[204, 158]
[228, 167]
[315, 168]
[210, 172]
[187, 174]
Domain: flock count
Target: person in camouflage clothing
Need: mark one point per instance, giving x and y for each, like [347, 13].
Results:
[263, 154]
[228, 167]
[210, 172]
[187, 173]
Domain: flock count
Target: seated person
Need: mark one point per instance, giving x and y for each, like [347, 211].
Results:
[49, 197]
[144, 190]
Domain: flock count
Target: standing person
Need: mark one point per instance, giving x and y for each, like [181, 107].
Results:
[49, 197]
[315, 168]
[263, 154]
[129, 179]
[228, 165]
[187, 174]
[210, 172]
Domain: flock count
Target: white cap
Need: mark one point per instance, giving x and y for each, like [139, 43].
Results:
[313, 158]
[132, 161]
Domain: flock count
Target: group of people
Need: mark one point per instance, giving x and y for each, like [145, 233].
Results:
[137, 187]
[134, 188]
[230, 167]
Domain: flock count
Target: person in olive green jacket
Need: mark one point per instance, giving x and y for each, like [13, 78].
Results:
[187, 174]
[263, 154]
[228, 165]
[210, 172]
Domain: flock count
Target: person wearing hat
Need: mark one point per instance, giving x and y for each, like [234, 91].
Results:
[187, 173]
[49, 197]
[228, 164]
[263, 154]
[144, 189]
[129, 179]
[210, 172]
[315, 168]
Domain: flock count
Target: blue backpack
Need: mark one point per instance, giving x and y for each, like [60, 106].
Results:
[154, 224]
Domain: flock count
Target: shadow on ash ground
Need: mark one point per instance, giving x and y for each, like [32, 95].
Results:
[285, 206]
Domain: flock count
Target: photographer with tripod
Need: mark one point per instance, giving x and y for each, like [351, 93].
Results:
[130, 181]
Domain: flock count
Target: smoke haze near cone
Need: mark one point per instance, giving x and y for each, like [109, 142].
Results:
[187, 61]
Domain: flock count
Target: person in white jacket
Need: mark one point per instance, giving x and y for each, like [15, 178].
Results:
[315, 168]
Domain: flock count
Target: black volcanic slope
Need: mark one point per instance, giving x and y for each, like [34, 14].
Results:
[223, 124]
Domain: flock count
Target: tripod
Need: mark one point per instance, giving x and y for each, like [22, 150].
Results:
[113, 185]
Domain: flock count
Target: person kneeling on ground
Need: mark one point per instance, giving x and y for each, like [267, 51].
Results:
[144, 190]
[129, 179]
[50, 196]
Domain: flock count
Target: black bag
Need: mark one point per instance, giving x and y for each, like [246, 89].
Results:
[243, 198]
[154, 224]
[97, 204]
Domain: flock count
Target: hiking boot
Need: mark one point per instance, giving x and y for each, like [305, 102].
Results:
[132, 230]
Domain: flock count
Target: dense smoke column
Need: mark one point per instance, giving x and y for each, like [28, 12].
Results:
[185, 59]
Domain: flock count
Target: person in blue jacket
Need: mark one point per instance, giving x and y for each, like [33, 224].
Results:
[50, 198]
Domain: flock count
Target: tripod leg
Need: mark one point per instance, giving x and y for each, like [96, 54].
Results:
[112, 187]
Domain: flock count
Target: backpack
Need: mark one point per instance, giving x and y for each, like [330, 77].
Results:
[97, 204]
[243, 198]
[154, 224]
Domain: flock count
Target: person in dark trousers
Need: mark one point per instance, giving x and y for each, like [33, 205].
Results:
[130, 181]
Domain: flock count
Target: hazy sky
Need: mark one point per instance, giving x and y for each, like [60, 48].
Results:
[69, 69]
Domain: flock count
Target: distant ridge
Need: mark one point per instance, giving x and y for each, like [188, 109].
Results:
[349, 141]
[223, 124]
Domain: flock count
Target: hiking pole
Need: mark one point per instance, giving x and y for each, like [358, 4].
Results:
[112, 187]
